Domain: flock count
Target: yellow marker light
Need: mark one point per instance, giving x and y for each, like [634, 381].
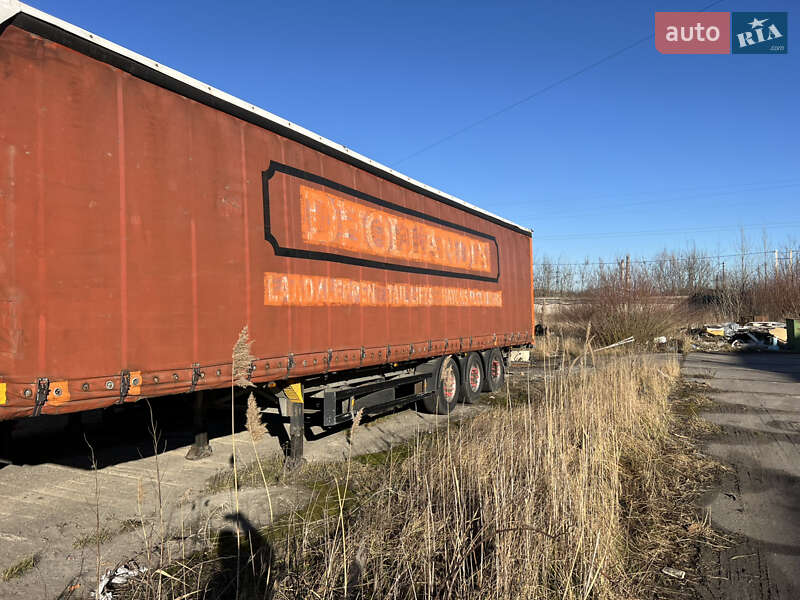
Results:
[2, 393]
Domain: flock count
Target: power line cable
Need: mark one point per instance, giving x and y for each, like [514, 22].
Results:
[604, 208]
[613, 234]
[538, 92]
[667, 260]
[679, 191]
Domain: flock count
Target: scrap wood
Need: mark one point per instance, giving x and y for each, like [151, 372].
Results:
[779, 332]
[620, 343]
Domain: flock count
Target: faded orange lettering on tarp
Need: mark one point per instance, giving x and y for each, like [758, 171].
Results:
[334, 222]
[282, 289]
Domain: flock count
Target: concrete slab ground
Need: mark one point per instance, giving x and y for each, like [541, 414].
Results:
[53, 504]
[757, 406]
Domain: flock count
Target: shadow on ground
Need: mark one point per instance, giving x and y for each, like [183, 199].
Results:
[121, 433]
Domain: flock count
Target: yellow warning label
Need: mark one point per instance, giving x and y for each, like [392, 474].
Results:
[294, 392]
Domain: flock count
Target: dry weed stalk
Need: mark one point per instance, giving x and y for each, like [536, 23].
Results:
[96, 510]
[257, 430]
[253, 423]
[242, 360]
[241, 369]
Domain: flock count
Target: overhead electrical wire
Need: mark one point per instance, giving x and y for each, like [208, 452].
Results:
[667, 260]
[694, 190]
[533, 95]
[613, 234]
[604, 209]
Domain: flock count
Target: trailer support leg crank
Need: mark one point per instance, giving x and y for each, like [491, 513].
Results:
[201, 448]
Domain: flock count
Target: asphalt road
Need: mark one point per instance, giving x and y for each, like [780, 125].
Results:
[757, 406]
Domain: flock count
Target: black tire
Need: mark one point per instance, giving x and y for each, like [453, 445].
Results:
[446, 383]
[495, 370]
[472, 377]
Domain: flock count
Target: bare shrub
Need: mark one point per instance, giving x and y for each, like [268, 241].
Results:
[728, 287]
[775, 298]
[616, 313]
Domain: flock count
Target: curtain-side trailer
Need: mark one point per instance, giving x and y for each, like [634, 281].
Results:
[146, 217]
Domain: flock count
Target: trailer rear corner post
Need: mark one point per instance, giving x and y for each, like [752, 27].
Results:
[200, 448]
[291, 405]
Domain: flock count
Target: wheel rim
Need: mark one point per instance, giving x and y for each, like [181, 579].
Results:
[495, 369]
[449, 383]
[474, 378]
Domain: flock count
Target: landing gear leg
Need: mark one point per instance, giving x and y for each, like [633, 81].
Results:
[201, 448]
[6, 428]
[291, 405]
[74, 423]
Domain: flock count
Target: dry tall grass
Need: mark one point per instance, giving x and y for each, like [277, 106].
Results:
[522, 502]
[549, 498]
[557, 344]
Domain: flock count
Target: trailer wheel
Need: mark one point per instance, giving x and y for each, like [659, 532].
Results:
[495, 370]
[446, 390]
[472, 377]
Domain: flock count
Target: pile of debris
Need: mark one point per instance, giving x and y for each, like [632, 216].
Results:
[755, 335]
[118, 577]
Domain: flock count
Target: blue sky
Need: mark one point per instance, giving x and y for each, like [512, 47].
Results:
[642, 152]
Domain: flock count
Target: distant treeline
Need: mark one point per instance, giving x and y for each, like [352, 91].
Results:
[765, 282]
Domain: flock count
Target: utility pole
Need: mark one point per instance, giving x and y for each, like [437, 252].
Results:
[723, 274]
[628, 272]
[741, 273]
[558, 277]
[776, 263]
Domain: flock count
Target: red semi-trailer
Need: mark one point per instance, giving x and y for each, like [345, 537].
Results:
[146, 217]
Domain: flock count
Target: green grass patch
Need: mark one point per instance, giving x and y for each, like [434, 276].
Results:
[101, 536]
[248, 475]
[394, 455]
[20, 568]
[130, 525]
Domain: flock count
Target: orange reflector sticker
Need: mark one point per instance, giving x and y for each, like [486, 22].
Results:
[59, 393]
[136, 383]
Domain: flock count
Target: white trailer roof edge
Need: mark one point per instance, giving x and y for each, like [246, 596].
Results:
[11, 8]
